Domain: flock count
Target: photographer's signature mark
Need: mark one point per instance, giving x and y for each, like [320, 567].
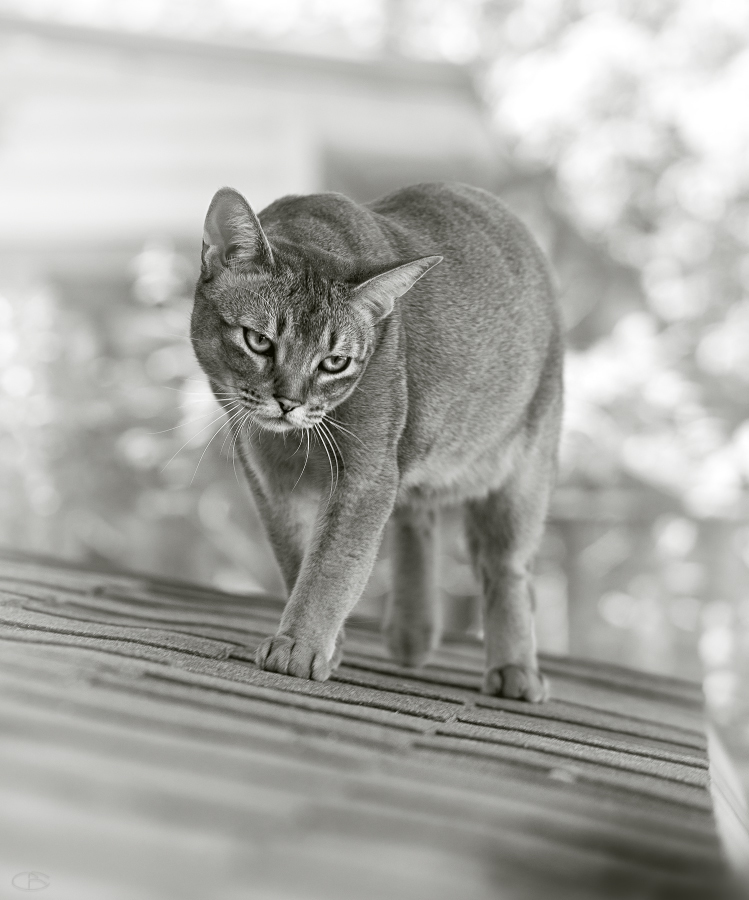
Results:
[30, 881]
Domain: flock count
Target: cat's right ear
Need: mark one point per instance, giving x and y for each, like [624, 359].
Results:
[232, 231]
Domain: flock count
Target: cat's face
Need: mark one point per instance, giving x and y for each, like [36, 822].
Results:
[288, 347]
[275, 335]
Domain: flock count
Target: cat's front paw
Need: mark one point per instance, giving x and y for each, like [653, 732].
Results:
[517, 683]
[289, 655]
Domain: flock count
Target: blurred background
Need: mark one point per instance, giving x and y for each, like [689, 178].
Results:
[617, 129]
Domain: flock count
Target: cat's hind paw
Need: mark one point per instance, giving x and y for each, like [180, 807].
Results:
[411, 644]
[517, 683]
[288, 655]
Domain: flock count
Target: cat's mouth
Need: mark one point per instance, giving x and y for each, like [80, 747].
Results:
[279, 425]
[295, 420]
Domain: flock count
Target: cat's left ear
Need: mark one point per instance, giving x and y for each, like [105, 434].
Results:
[232, 231]
[377, 295]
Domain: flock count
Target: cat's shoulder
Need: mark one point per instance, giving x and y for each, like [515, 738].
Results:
[445, 196]
[327, 220]
[326, 204]
[460, 216]
[429, 198]
[425, 196]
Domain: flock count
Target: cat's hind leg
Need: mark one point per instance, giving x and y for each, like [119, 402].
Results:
[413, 620]
[503, 532]
[338, 651]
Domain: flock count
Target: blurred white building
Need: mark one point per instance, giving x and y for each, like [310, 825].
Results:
[108, 137]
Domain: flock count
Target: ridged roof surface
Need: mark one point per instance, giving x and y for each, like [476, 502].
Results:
[144, 756]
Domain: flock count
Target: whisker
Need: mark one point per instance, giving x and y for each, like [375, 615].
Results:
[335, 449]
[205, 450]
[202, 395]
[196, 399]
[301, 441]
[250, 423]
[192, 437]
[227, 423]
[182, 424]
[340, 427]
[338, 421]
[234, 438]
[321, 435]
[175, 334]
[208, 383]
[232, 418]
[237, 434]
[306, 459]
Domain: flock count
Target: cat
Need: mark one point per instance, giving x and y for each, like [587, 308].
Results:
[377, 361]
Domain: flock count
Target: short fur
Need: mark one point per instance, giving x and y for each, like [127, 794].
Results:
[442, 301]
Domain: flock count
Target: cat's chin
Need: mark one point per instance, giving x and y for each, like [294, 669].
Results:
[280, 426]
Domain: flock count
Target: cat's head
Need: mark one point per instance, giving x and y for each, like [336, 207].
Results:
[281, 330]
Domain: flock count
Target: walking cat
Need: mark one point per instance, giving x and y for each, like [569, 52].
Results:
[377, 361]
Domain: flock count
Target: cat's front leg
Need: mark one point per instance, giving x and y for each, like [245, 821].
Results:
[288, 521]
[333, 576]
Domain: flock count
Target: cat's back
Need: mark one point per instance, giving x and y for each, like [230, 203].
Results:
[492, 268]
[436, 206]
[461, 218]
[354, 238]
[482, 328]
[493, 283]
[481, 240]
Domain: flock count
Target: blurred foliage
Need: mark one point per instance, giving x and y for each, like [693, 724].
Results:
[638, 112]
[107, 428]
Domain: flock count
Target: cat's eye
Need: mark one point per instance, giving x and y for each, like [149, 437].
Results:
[257, 342]
[335, 363]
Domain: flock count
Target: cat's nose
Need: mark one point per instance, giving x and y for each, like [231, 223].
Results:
[286, 404]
